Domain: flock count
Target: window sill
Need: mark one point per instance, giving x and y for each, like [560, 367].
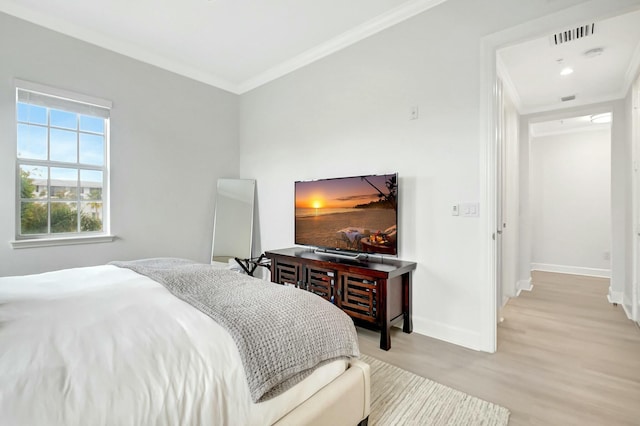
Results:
[50, 242]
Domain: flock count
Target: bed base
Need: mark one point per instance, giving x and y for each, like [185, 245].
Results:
[345, 401]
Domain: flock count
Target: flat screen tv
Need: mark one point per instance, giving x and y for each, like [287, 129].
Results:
[356, 214]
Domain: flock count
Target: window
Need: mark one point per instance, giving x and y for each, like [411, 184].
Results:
[62, 163]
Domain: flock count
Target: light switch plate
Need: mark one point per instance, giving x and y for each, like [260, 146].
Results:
[470, 209]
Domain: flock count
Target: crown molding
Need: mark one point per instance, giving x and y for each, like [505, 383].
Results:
[369, 28]
[586, 127]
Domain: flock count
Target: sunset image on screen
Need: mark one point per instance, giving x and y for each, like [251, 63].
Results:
[356, 213]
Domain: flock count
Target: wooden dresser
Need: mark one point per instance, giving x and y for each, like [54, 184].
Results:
[375, 292]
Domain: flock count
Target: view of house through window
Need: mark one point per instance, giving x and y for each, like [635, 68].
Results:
[61, 155]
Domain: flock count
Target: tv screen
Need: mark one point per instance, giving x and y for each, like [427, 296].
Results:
[355, 214]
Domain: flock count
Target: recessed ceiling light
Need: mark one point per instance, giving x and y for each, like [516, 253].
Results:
[601, 118]
[566, 71]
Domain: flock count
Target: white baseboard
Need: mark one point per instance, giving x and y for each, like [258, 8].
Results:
[523, 285]
[615, 297]
[447, 333]
[627, 311]
[574, 270]
[627, 305]
[505, 300]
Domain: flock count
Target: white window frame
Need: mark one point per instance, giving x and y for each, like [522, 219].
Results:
[79, 103]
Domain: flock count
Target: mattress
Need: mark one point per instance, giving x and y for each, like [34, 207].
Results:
[104, 345]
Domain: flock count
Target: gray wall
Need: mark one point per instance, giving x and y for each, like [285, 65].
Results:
[171, 138]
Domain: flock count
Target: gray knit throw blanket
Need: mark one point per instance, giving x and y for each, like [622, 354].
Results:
[282, 333]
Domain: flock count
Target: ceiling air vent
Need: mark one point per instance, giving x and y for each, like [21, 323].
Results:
[568, 98]
[572, 34]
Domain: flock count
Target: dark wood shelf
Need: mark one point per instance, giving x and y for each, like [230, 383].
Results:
[375, 292]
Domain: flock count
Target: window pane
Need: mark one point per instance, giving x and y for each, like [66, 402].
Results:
[67, 120]
[64, 217]
[61, 156]
[91, 124]
[64, 183]
[91, 216]
[33, 182]
[90, 185]
[33, 218]
[32, 142]
[64, 146]
[91, 149]
[32, 114]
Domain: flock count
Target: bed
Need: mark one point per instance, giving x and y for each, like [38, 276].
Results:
[116, 344]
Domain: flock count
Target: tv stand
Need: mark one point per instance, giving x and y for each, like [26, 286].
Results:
[376, 293]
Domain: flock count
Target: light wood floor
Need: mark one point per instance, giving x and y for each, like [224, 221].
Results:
[565, 357]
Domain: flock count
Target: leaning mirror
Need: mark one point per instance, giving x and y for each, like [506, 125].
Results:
[233, 221]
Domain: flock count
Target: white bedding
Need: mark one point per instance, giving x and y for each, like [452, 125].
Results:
[104, 345]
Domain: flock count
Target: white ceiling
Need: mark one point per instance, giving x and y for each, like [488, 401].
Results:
[532, 69]
[236, 45]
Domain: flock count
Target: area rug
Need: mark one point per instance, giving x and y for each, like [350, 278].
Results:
[399, 397]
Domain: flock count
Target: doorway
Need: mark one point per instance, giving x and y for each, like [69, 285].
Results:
[621, 179]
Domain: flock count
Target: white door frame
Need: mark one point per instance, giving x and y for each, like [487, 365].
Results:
[500, 198]
[635, 126]
[591, 10]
